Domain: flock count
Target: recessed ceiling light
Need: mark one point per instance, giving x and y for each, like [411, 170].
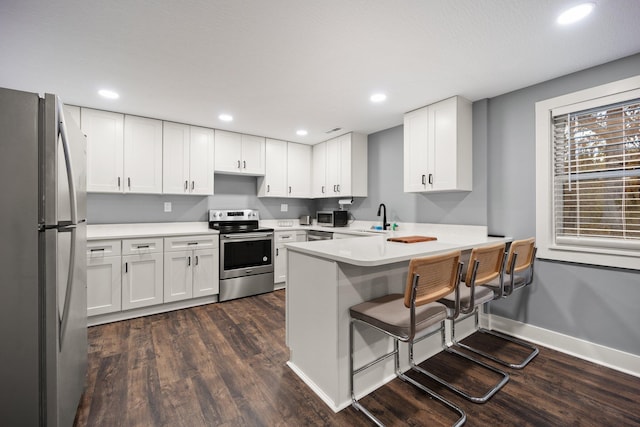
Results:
[301, 132]
[575, 13]
[225, 117]
[108, 94]
[378, 97]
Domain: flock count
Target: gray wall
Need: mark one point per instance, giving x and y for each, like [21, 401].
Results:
[230, 192]
[595, 304]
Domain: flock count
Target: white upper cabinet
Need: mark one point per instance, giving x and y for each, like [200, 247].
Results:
[274, 182]
[124, 153]
[288, 170]
[72, 112]
[298, 170]
[344, 172]
[187, 159]
[175, 158]
[239, 154]
[319, 171]
[142, 155]
[201, 160]
[105, 150]
[438, 147]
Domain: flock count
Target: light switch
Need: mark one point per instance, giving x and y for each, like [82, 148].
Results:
[167, 206]
[284, 207]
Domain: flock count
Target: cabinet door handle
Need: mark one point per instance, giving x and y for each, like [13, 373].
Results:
[97, 250]
[191, 243]
[277, 251]
[118, 182]
[323, 189]
[268, 188]
[189, 261]
[193, 185]
[186, 185]
[238, 164]
[196, 259]
[430, 178]
[424, 180]
[126, 267]
[142, 247]
[338, 186]
[334, 189]
[244, 163]
[129, 182]
[289, 189]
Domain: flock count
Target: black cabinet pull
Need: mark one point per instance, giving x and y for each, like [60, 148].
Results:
[189, 261]
[126, 267]
[196, 259]
[424, 180]
[430, 178]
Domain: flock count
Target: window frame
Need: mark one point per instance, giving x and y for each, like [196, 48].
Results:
[565, 249]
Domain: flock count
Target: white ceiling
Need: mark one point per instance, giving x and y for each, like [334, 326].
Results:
[280, 65]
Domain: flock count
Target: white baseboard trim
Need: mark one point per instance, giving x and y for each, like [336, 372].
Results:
[117, 316]
[326, 399]
[596, 353]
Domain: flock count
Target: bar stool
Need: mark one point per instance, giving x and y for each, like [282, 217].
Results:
[518, 274]
[403, 317]
[485, 264]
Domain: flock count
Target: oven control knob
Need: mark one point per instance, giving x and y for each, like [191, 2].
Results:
[265, 259]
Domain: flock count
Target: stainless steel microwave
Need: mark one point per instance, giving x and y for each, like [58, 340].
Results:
[332, 218]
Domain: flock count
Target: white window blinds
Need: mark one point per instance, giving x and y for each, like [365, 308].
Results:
[596, 176]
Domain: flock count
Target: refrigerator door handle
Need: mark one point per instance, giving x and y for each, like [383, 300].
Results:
[64, 316]
[73, 202]
[62, 130]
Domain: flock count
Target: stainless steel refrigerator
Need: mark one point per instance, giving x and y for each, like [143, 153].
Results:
[43, 296]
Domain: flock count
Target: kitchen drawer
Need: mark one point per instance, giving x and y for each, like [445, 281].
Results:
[103, 248]
[141, 246]
[290, 236]
[190, 242]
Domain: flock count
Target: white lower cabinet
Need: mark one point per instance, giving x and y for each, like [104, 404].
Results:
[280, 265]
[142, 266]
[190, 267]
[137, 276]
[104, 277]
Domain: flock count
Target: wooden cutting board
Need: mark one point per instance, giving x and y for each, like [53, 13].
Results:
[412, 239]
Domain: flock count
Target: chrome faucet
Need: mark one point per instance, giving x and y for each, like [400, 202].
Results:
[382, 207]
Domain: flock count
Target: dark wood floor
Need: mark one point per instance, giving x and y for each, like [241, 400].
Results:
[224, 365]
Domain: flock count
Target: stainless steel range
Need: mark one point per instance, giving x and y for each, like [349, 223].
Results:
[246, 253]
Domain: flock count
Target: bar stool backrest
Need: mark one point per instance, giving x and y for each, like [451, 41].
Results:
[437, 277]
[524, 249]
[490, 261]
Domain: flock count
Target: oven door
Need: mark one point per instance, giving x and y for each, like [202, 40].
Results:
[245, 254]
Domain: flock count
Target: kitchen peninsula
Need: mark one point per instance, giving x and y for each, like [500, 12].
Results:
[325, 278]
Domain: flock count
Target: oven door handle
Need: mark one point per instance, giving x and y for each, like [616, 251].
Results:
[247, 236]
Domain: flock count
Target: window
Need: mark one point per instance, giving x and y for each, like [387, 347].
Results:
[588, 176]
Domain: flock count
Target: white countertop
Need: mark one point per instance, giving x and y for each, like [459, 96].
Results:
[374, 249]
[129, 231]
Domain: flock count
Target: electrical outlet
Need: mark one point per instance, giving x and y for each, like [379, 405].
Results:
[284, 207]
[167, 206]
